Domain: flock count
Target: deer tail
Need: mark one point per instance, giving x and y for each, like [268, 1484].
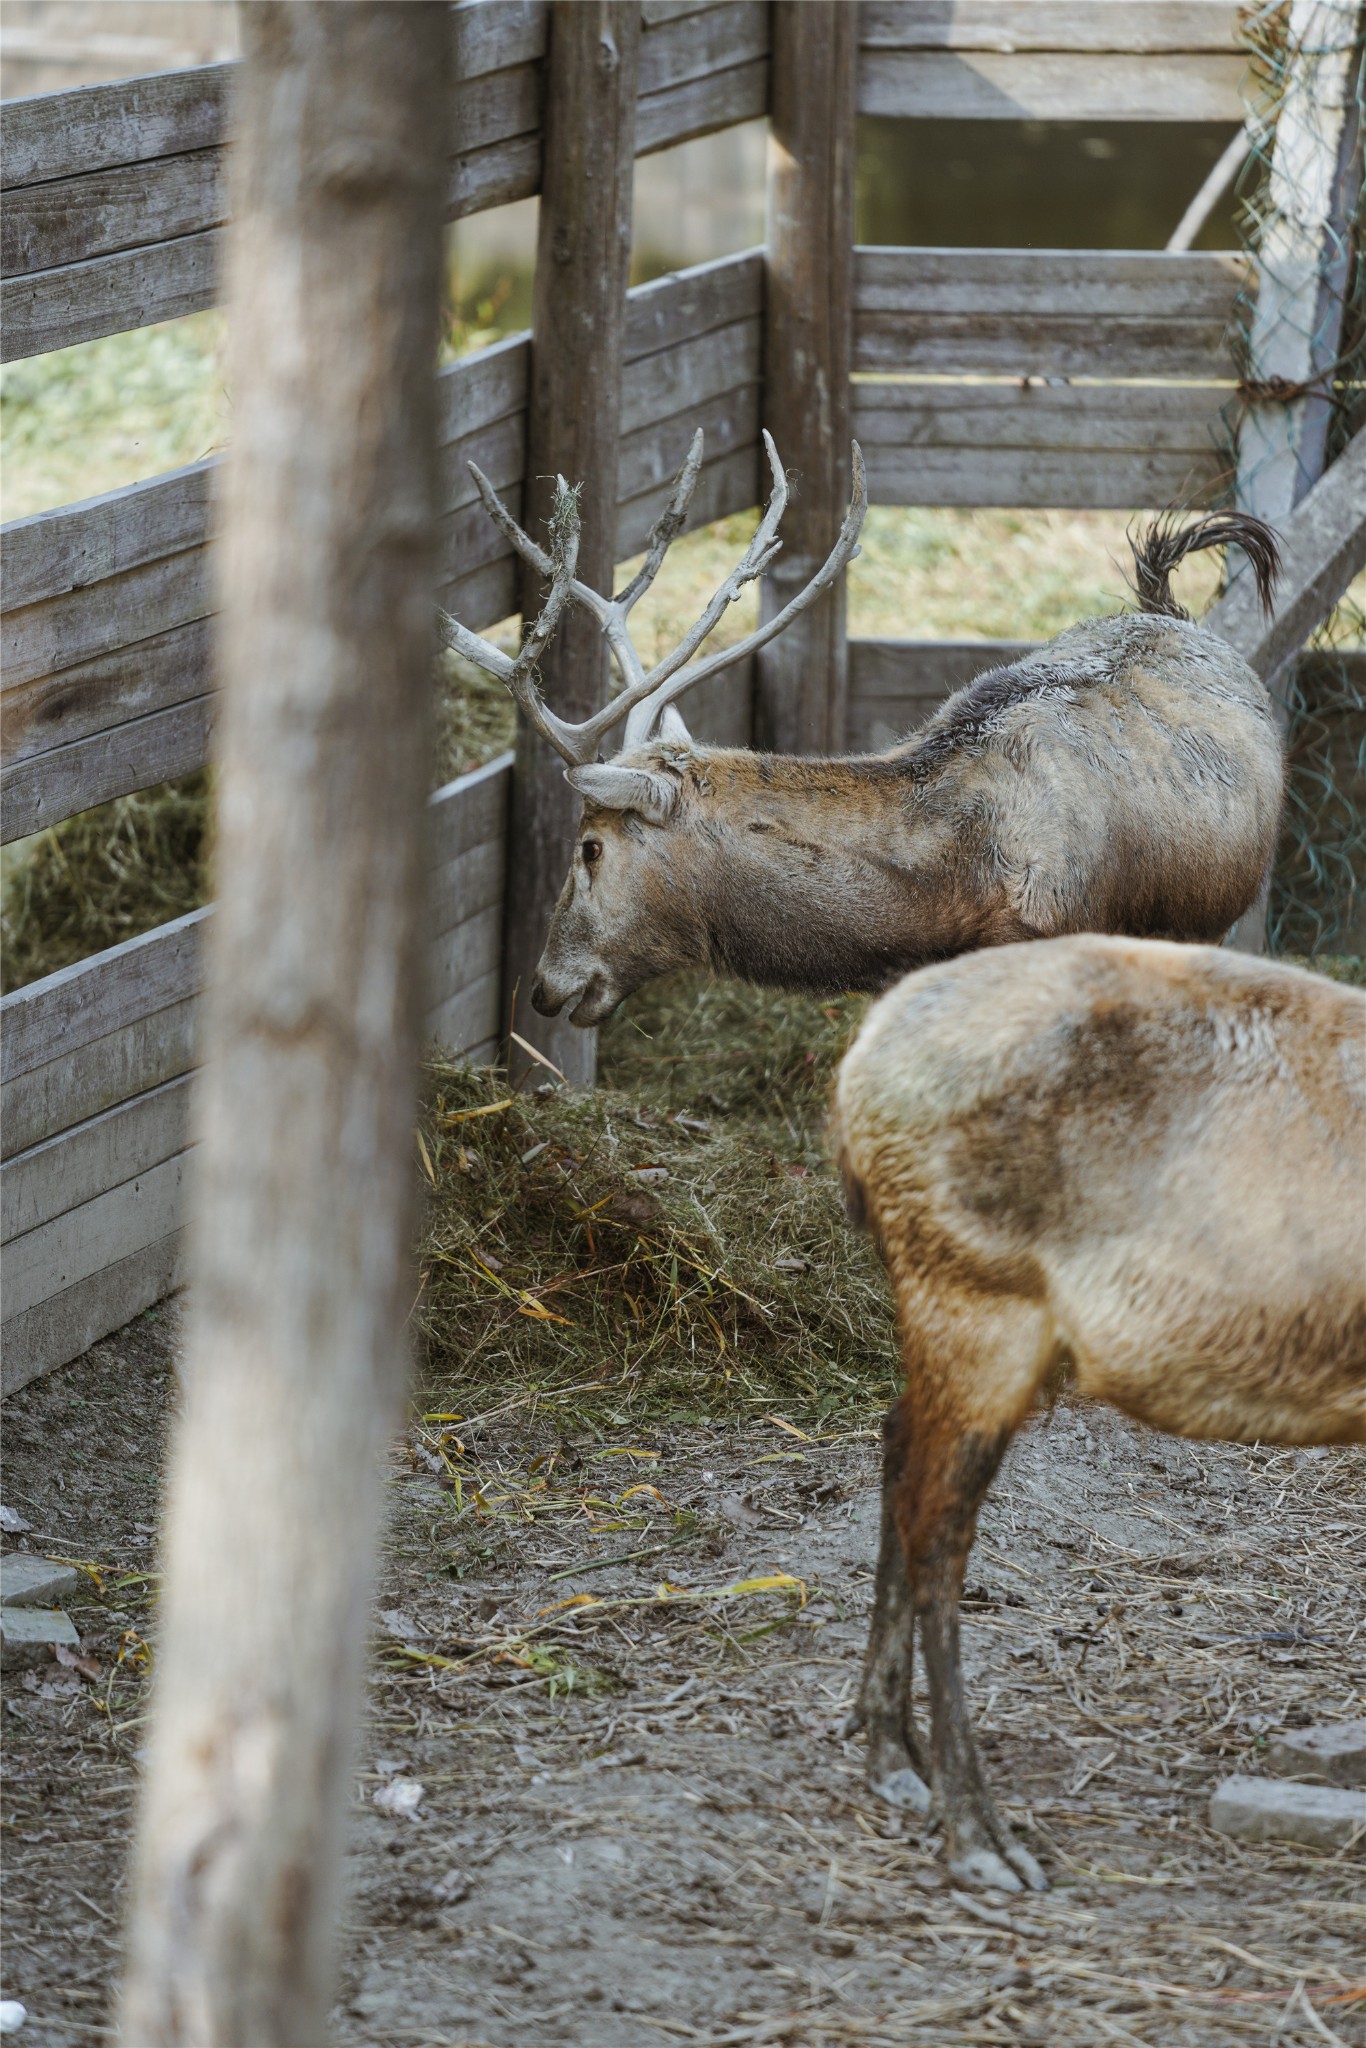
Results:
[1157, 551]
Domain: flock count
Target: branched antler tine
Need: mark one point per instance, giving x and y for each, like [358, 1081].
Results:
[564, 554]
[841, 554]
[666, 528]
[498, 512]
[762, 548]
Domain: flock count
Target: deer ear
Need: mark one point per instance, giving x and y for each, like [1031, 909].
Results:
[654, 797]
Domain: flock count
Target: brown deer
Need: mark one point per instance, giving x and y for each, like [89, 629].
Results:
[1127, 778]
[1135, 1168]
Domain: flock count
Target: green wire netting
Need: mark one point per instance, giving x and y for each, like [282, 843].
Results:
[1300, 348]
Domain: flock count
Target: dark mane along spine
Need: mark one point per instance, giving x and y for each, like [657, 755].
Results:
[1157, 552]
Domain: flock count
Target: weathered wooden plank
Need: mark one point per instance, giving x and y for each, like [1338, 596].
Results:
[104, 1152]
[83, 1241]
[499, 450]
[1106, 284]
[1047, 416]
[653, 455]
[482, 597]
[495, 176]
[465, 887]
[1323, 546]
[52, 710]
[1009, 26]
[482, 388]
[983, 85]
[61, 631]
[467, 1023]
[1080, 479]
[137, 754]
[94, 997]
[677, 379]
[74, 1085]
[52, 552]
[701, 105]
[467, 812]
[108, 295]
[674, 52]
[687, 303]
[71, 220]
[66, 134]
[61, 1329]
[460, 957]
[658, 13]
[1012, 344]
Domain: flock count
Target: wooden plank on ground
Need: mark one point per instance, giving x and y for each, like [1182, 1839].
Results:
[984, 85]
[137, 754]
[104, 1152]
[62, 1328]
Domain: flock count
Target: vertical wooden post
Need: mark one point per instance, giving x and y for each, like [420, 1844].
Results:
[305, 1175]
[583, 255]
[1303, 267]
[802, 678]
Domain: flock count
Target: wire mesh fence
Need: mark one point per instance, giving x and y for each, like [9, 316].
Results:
[1300, 344]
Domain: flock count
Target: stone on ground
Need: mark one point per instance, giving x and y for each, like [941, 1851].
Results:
[28, 1635]
[1275, 1810]
[34, 1581]
[1334, 1753]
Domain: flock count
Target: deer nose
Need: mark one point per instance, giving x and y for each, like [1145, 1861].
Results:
[541, 1002]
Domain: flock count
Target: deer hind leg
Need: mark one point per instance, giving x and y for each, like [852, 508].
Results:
[897, 1767]
[968, 1389]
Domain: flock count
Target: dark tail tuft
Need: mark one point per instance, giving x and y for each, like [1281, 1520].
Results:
[1165, 544]
[855, 1199]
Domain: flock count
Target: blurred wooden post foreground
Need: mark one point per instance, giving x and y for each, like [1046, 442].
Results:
[803, 677]
[296, 1358]
[583, 260]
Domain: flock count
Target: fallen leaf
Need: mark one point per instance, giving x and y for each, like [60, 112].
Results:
[87, 1666]
[12, 1522]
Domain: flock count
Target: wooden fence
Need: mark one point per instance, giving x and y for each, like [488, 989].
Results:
[980, 377]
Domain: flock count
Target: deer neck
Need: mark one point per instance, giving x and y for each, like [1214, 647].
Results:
[823, 875]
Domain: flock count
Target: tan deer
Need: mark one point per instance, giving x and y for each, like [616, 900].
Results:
[1135, 1168]
[1126, 778]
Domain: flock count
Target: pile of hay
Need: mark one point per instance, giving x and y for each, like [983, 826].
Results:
[679, 1234]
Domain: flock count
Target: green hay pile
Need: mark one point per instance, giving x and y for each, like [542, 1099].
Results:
[103, 876]
[678, 1237]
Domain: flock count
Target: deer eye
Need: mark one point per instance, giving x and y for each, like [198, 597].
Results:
[591, 851]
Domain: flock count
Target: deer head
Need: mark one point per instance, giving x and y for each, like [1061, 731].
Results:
[623, 916]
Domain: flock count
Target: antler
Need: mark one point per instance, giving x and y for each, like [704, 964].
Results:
[644, 694]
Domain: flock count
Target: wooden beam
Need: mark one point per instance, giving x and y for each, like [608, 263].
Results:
[1323, 546]
[573, 421]
[808, 343]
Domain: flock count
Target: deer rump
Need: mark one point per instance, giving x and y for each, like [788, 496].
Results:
[1125, 778]
[1136, 1167]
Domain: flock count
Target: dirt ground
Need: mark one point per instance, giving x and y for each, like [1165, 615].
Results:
[638, 1821]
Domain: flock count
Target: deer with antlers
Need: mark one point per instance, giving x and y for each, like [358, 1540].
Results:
[1125, 778]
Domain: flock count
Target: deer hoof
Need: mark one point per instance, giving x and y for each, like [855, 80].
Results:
[904, 1789]
[983, 1869]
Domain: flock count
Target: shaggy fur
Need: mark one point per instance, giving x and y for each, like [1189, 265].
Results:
[1137, 1167]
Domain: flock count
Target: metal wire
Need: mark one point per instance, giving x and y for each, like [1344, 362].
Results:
[1319, 879]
